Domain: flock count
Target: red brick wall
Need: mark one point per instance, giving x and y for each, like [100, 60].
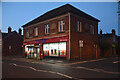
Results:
[88, 50]
[15, 41]
[53, 31]
[89, 39]
[53, 24]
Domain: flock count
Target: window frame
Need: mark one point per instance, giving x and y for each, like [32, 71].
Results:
[92, 29]
[61, 26]
[27, 33]
[36, 31]
[47, 29]
[79, 26]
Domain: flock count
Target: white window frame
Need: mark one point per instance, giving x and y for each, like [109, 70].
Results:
[47, 29]
[91, 29]
[36, 31]
[79, 26]
[60, 25]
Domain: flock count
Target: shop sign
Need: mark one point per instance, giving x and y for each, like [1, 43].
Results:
[59, 39]
[80, 43]
[40, 41]
[50, 40]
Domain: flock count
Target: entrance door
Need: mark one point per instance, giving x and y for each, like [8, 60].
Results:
[37, 52]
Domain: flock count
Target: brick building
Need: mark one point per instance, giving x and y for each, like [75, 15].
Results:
[12, 43]
[109, 44]
[64, 32]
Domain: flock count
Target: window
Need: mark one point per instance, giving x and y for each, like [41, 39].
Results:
[61, 26]
[36, 31]
[79, 27]
[91, 29]
[27, 33]
[55, 49]
[31, 32]
[47, 29]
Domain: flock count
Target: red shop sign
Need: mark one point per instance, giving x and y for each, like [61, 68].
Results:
[59, 39]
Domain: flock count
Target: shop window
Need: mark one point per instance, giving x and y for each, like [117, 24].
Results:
[55, 49]
[61, 26]
[47, 29]
[79, 27]
[91, 29]
[46, 49]
[36, 31]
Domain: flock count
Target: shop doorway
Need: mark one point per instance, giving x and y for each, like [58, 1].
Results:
[32, 51]
[36, 52]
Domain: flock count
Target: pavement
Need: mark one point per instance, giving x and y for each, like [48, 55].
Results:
[56, 61]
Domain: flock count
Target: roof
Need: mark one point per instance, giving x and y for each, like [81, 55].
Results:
[59, 11]
[6, 35]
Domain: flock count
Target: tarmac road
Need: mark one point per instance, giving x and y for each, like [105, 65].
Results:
[59, 69]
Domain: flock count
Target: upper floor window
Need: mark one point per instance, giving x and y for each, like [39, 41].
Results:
[91, 29]
[36, 31]
[27, 33]
[61, 26]
[31, 32]
[47, 29]
[79, 27]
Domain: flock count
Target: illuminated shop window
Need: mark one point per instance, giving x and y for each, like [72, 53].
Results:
[55, 49]
[46, 49]
[62, 49]
[61, 25]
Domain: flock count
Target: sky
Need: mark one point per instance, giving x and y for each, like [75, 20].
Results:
[16, 14]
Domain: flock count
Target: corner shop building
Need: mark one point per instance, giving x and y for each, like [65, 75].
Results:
[59, 33]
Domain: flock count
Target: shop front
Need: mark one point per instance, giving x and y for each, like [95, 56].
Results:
[55, 49]
[32, 51]
[51, 47]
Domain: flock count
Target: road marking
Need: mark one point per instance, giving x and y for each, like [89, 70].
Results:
[64, 75]
[86, 61]
[97, 70]
[116, 62]
[42, 70]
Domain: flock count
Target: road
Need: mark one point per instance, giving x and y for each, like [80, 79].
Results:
[78, 70]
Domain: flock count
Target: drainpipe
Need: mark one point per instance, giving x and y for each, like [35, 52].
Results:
[69, 38]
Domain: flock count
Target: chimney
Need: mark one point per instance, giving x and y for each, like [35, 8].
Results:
[100, 31]
[9, 30]
[113, 31]
[20, 31]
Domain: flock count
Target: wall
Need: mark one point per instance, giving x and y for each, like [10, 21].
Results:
[15, 41]
[88, 50]
[53, 23]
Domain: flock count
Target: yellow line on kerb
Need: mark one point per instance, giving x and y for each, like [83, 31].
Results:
[86, 61]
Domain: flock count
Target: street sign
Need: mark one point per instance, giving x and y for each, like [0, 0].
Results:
[80, 43]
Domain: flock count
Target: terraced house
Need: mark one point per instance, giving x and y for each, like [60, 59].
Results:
[64, 32]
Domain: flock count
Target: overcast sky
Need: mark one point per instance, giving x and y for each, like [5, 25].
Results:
[16, 14]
